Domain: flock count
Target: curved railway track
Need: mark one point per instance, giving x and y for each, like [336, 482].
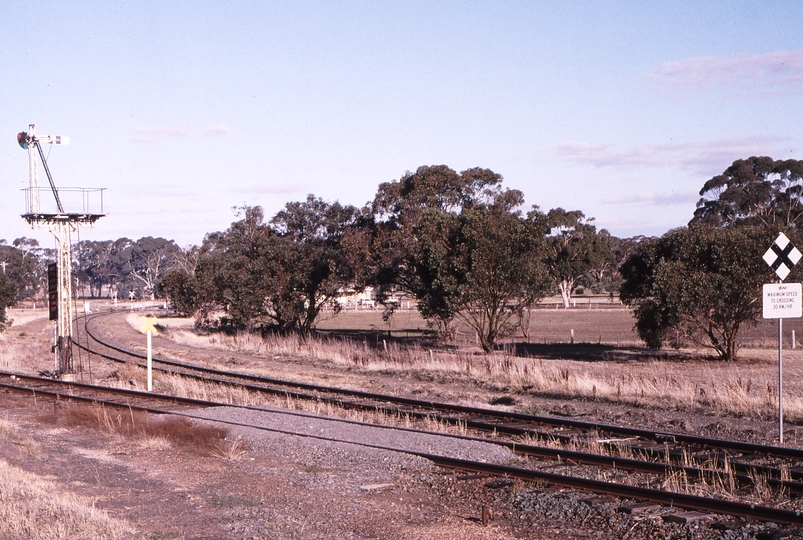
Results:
[161, 404]
[710, 458]
[648, 443]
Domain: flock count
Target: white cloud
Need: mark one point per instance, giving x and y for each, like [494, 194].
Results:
[607, 155]
[744, 75]
[705, 158]
[267, 188]
[218, 131]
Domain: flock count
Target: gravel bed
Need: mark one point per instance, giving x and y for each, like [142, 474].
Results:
[526, 510]
[337, 480]
[604, 516]
[309, 426]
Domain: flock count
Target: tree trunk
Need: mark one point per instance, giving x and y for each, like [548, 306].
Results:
[565, 287]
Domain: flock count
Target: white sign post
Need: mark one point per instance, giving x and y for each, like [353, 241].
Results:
[150, 362]
[149, 327]
[782, 301]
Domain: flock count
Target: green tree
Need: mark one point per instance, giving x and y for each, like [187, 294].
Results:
[455, 243]
[91, 265]
[398, 207]
[149, 259]
[754, 191]
[25, 264]
[8, 298]
[233, 271]
[483, 266]
[312, 265]
[576, 249]
[282, 274]
[181, 290]
[604, 275]
[702, 283]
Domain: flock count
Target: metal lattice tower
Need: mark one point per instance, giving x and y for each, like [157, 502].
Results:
[61, 224]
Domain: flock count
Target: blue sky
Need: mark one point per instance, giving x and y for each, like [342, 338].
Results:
[185, 109]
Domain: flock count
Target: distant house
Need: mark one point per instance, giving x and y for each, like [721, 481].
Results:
[351, 299]
[366, 299]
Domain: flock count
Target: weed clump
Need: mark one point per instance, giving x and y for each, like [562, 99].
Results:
[161, 431]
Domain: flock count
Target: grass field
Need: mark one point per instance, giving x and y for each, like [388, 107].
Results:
[595, 323]
[605, 362]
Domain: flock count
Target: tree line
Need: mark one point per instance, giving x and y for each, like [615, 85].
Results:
[119, 268]
[465, 249]
[457, 243]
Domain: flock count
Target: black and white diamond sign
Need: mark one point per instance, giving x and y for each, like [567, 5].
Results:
[782, 256]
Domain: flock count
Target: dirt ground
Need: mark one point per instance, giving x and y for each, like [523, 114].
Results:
[287, 488]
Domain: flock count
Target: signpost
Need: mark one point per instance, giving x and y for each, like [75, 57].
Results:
[782, 301]
[149, 327]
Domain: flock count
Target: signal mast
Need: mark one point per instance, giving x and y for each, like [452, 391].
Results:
[61, 224]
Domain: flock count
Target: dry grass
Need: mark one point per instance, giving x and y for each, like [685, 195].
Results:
[147, 431]
[9, 433]
[718, 481]
[154, 442]
[6, 430]
[17, 354]
[231, 450]
[740, 389]
[34, 508]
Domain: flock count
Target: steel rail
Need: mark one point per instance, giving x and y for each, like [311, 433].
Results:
[690, 502]
[705, 443]
[681, 500]
[102, 389]
[744, 470]
[743, 473]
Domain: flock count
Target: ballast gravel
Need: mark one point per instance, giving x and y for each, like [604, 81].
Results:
[408, 497]
[395, 440]
[326, 483]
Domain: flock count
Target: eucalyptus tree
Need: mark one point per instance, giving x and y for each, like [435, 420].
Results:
[8, 298]
[483, 266]
[277, 275]
[576, 249]
[232, 271]
[91, 261]
[313, 267]
[456, 243]
[180, 288]
[399, 205]
[754, 191]
[24, 263]
[701, 283]
[149, 259]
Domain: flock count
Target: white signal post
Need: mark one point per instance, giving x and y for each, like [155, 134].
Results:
[150, 362]
[149, 327]
[782, 301]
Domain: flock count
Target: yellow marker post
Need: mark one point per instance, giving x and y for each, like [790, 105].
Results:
[149, 327]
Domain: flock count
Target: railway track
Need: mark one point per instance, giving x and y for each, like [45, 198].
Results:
[160, 404]
[703, 458]
[743, 457]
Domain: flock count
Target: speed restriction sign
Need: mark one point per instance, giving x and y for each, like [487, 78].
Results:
[782, 300]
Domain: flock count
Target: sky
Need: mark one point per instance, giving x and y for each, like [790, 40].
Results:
[185, 110]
